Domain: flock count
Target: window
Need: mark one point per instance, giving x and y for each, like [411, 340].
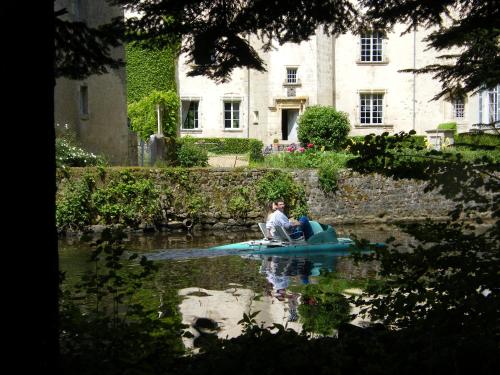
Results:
[371, 47]
[489, 106]
[291, 75]
[84, 100]
[190, 115]
[371, 112]
[458, 108]
[493, 105]
[231, 114]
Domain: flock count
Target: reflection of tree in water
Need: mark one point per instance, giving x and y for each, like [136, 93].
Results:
[279, 269]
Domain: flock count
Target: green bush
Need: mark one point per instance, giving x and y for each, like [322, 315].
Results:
[413, 141]
[143, 114]
[128, 200]
[324, 127]
[190, 155]
[256, 147]
[240, 203]
[278, 184]
[74, 205]
[328, 177]
[223, 146]
[473, 140]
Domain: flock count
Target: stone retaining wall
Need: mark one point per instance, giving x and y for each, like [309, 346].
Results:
[372, 198]
[203, 196]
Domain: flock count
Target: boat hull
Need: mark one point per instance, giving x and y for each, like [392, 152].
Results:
[269, 247]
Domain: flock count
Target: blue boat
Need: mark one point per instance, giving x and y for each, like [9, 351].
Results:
[323, 239]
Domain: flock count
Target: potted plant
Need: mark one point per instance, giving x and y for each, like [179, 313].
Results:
[276, 144]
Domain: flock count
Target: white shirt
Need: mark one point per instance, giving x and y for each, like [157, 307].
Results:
[277, 219]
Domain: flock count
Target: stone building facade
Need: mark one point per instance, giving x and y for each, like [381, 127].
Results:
[94, 110]
[355, 74]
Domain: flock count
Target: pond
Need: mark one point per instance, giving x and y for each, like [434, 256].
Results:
[222, 286]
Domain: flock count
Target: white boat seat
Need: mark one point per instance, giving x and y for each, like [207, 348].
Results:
[263, 229]
[283, 235]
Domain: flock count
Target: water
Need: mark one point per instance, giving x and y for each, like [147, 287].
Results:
[223, 285]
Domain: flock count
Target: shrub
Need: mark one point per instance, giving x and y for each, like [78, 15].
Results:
[128, 200]
[411, 142]
[74, 206]
[190, 155]
[323, 126]
[227, 145]
[328, 177]
[256, 147]
[68, 154]
[477, 140]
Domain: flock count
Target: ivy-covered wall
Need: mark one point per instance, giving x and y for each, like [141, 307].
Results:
[149, 70]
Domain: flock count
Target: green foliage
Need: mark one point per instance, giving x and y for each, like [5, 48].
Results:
[68, 154]
[310, 158]
[328, 177]
[474, 141]
[104, 327]
[128, 200]
[447, 126]
[255, 147]
[324, 127]
[149, 70]
[190, 155]
[196, 205]
[240, 204]
[74, 207]
[328, 164]
[411, 142]
[322, 311]
[143, 114]
[446, 285]
[223, 146]
[278, 184]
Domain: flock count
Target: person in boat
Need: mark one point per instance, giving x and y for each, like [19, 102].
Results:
[278, 218]
[271, 207]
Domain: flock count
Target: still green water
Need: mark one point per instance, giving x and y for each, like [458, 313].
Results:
[186, 263]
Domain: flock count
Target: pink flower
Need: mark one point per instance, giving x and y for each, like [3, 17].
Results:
[310, 145]
[301, 149]
[289, 149]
